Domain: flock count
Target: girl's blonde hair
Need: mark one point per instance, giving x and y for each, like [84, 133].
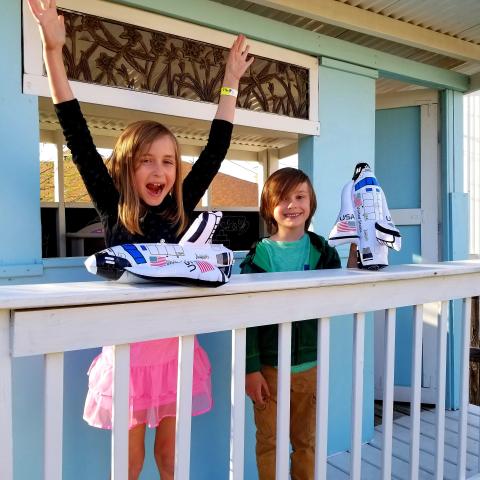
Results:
[278, 185]
[132, 143]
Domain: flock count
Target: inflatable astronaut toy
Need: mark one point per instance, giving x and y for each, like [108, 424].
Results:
[194, 260]
[365, 220]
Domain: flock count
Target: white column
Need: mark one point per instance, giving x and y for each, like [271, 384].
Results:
[53, 436]
[120, 412]
[357, 397]
[416, 391]
[464, 393]
[59, 183]
[323, 366]
[184, 406]
[429, 181]
[387, 416]
[441, 382]
[273, 160]
[237, 415]
[283, 400]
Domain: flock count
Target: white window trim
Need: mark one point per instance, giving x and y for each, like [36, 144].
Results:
[35, 83]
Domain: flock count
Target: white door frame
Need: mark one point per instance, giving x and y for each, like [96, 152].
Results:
[427, 217]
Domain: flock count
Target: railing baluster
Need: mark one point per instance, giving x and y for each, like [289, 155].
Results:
[237, 415]
[416, 398]
[53, 436]
[323, 366]
[464, 393]
[184, 406]
[6, 411]
[357, 397]
[120, 412]
[387, 415]
[441, 384]
[283, 401]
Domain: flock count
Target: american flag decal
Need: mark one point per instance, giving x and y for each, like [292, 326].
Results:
[158, 261]
[204, 266]
[346, 226]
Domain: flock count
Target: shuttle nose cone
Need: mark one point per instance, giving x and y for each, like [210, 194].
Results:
[91, 264]
[107, 265]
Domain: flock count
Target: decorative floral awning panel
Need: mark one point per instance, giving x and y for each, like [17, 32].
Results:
[108, 52]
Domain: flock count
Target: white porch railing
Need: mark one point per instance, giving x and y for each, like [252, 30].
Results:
[55, 318]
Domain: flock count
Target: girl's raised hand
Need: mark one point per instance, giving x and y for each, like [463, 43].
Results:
[238, 60]
[52, 31]
[51, 25]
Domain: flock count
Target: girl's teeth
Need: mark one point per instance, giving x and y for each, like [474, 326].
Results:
[154, 188]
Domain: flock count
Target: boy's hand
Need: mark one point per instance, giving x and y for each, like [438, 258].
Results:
[51, 25]
[237, 62]
[257, 388]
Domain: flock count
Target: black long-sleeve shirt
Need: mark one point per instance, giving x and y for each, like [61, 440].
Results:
[104, 194]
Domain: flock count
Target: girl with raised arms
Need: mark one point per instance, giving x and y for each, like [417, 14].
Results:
[140, 198]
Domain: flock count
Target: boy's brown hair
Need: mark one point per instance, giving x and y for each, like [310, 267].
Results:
[278, 185]
[132, 143]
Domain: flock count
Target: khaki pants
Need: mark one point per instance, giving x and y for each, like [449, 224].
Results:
[302, 425]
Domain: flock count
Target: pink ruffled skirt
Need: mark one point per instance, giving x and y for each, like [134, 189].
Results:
[153, 384]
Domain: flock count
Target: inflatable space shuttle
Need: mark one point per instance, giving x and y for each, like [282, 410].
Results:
[365, 220]
[194, 260]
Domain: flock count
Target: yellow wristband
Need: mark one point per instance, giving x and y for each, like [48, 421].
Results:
[228, 91]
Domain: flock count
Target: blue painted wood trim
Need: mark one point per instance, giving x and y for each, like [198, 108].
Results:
[33, 270]
[20, 241]
[454, 232]
[348, 67]
[217, 16]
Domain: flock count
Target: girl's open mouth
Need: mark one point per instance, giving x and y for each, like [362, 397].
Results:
[155, 188]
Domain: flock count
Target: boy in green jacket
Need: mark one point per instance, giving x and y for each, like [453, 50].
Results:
[287, 205]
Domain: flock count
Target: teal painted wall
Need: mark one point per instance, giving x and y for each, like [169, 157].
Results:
[19, 134]
[347, 136]
[397, 155]
[20, 218]
[397, 167]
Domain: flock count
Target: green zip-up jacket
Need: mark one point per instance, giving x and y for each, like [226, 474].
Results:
[262, 342]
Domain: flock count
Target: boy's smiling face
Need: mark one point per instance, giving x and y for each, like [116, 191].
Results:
[292, 212]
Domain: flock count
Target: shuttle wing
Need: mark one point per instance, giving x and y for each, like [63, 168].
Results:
[345, 228]
[202, 229]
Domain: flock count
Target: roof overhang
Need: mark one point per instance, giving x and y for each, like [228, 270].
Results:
[354, 18]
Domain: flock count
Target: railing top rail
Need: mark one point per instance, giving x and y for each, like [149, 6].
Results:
[72, 294]
[65, 317]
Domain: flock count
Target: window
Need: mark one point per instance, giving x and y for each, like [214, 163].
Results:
[236, 185]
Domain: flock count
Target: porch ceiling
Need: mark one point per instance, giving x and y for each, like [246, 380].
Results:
[441, 33]
[110, 122]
